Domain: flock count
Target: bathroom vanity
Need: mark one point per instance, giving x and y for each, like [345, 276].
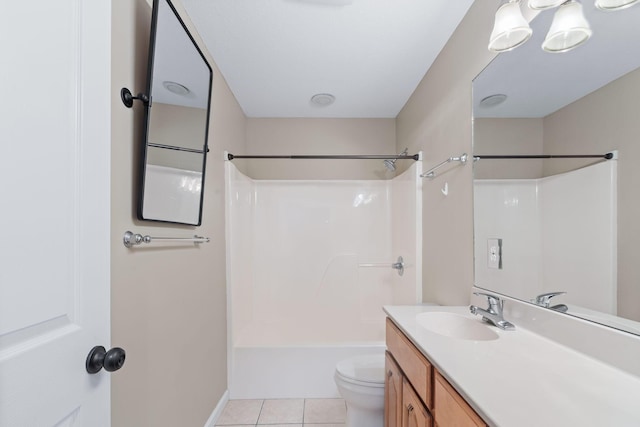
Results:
[445, 367]
[413, 388]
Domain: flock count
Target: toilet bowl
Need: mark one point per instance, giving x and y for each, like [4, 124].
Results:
[360, 381]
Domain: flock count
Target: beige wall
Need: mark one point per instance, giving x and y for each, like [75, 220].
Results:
[600, 122]
[437, 120]
[508, 136]
[320, 136]
[168, 303]
[177, 125]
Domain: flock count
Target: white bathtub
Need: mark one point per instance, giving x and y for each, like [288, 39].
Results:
[290, 372]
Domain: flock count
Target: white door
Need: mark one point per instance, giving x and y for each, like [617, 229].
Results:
[54, 211]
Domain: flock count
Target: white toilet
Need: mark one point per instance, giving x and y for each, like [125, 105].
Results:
[360, 381]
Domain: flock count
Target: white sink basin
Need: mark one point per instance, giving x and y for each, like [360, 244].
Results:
[456, 326]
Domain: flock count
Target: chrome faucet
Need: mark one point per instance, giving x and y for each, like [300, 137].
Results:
[543, 300]
[493, 314]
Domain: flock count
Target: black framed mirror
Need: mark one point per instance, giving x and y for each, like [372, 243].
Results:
[179, 80]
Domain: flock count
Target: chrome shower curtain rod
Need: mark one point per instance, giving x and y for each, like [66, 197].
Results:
[330, 157]
[606, 156]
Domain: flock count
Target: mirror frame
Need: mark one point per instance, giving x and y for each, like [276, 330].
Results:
[147, 114]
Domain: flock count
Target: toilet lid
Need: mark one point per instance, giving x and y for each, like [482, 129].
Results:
[368, 368]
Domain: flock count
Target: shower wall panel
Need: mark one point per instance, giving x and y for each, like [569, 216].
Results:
[558, 234]
[406, 234]
[301, 255]
[172, 193]
[309, 269]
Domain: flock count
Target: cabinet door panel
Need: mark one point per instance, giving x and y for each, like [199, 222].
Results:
[413, 364]
[414, 414]
[393, 393]
[451, 408]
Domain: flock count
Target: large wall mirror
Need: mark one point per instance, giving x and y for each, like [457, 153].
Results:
[562, 225]
[177, 120]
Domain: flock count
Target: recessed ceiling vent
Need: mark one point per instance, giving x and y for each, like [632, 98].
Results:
[176, 88]
[493, 100]
[322, 99]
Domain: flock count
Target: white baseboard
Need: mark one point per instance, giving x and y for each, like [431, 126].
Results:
[217, 411]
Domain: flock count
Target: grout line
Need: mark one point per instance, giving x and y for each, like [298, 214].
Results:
[260, 412]
[304, 408]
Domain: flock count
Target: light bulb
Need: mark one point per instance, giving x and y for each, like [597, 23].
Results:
[510, 29]
[569, 29]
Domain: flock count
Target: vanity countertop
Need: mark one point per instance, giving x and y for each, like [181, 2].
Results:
[524, 379]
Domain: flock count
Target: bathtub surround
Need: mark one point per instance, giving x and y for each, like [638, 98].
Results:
[545, 248]
[309, 267]
[184, 204]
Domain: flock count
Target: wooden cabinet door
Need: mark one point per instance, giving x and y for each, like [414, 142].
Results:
[392, 393]
[451, 408]
[414, 414]
[415, 367]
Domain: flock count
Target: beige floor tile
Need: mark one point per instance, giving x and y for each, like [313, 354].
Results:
[281, 411]
[327, 411]
[324, 425]
[240, 412]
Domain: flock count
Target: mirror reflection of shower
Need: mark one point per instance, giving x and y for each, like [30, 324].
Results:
[390, 164]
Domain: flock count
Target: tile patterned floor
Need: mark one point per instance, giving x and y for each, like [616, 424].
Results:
[284, 413]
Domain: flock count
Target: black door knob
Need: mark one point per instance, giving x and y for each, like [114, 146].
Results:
[99, 358]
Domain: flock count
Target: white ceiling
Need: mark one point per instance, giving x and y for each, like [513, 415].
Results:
[176, 60]
[370, 54]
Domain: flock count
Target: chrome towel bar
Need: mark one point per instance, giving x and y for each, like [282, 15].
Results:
[130, 239]
[398, 265]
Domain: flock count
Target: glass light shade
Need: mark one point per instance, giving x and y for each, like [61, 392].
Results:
[510, 29]
[614, 4]
[544, 4]
[569, 29]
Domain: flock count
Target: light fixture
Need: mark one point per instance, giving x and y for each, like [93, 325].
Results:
[614, 4]
[569, 28]
[510, 29]
[322, 99]
[544, 4]
[176, 88]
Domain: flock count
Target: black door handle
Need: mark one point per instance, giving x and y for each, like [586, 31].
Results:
[99, 358]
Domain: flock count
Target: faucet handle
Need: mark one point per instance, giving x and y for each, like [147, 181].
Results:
[543, 299]
[494, 301]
